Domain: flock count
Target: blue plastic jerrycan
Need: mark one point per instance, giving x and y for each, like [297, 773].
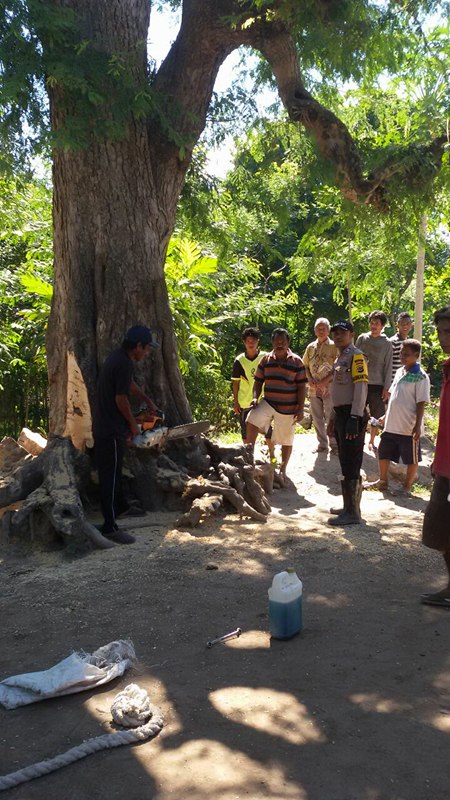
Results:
[285, 605]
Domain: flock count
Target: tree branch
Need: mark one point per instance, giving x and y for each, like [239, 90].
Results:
[332, 137]
[186, 77]
[189, 71]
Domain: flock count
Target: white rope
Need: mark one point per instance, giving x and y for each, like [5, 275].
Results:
[129, 708]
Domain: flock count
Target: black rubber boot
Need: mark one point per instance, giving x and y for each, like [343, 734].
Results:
[351, 514]
[345, 496]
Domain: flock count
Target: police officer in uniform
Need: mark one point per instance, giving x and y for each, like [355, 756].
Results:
[348, 419]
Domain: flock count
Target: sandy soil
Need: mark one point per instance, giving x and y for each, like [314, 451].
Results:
[357, 707]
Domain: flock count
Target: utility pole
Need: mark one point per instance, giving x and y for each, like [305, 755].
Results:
[418, 314]
[349, 295]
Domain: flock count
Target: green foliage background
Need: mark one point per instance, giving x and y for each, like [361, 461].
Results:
[272, 244]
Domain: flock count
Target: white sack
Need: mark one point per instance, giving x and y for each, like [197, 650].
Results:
[76, 673]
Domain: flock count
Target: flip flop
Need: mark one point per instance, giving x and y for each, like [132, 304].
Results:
[435, 600]
[376, 486]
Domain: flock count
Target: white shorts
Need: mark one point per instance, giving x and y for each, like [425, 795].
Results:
[283, 424]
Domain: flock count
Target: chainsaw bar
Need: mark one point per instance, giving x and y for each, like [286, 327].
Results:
[190, 429]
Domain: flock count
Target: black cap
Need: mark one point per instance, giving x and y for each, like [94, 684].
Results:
[140, 333]
[342, 325]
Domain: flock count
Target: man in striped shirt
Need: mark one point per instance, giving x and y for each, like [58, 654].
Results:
[283, 375]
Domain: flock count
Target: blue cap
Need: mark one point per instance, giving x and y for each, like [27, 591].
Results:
[343, 325]
[140, 333]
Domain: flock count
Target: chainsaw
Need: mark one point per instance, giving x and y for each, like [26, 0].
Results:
[154, 433]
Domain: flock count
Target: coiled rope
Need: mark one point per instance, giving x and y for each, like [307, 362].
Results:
[129, 708]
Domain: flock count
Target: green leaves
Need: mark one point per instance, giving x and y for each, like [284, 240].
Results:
[25, 292]
[187, 275]
[35, 285]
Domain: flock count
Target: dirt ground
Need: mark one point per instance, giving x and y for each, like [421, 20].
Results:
[357, 707]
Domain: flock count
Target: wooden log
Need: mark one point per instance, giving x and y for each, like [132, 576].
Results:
[23, 480]
[196, 488]
[227, 454]
[11, 455]
[32, 442]
[233, 476]
[264, 474]
[200, 508]
[255, 491]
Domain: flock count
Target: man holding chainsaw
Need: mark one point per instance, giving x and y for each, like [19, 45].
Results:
[114, 422]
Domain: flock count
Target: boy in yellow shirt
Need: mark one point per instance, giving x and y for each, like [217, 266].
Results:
[243, 378]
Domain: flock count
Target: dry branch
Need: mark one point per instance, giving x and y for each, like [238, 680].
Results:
[200, 508]
[196, 488]
[255, 491]
[264, 474]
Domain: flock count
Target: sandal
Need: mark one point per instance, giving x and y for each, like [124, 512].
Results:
[380, 486]
[435, 599]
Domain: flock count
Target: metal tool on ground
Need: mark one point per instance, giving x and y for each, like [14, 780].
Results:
[232, 635]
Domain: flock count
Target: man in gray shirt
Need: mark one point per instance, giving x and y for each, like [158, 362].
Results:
[378, 350]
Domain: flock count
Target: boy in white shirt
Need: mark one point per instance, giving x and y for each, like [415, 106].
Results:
[403, 422]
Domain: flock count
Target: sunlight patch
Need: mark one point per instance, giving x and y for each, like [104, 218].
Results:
[204, 768]
[442, 679]
[249, 640]
[277, 713]
[441, 721]
[381, 705]
[333, 601]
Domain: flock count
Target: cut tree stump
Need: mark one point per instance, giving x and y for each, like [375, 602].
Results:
[49, 486]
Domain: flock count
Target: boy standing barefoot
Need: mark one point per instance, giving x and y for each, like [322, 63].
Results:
[403, 424]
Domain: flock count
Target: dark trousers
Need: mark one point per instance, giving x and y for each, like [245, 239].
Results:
[109, 459]
[350, 450]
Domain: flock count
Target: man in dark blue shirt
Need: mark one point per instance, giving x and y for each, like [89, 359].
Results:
[114, 422]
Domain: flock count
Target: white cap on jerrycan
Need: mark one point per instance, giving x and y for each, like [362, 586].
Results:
[286, 587]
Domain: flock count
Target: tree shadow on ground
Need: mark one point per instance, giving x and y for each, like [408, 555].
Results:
[333, 713]
[336, 713]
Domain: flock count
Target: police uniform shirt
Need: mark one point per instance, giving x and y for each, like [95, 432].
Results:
[350, 378]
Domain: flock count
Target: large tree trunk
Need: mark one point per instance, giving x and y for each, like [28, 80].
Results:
[111, 230]
[114, 212]
[110, 242]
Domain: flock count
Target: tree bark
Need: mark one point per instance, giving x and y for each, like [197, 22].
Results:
[114, 211]
[49, 485]
[111, 231]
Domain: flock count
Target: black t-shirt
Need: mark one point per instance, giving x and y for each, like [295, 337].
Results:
[115, 378]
